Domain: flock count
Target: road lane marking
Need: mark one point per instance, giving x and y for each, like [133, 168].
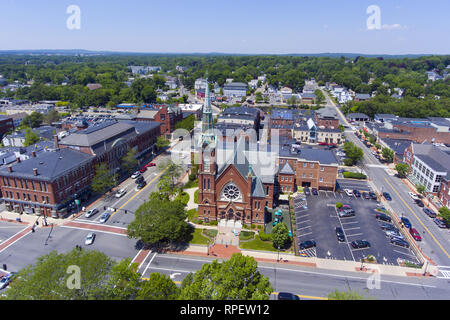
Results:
[432, 236]
[149, 263]
[149, 184]
[96, 230]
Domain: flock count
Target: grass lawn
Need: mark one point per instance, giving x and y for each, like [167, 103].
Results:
[257, 244]
[198, 238]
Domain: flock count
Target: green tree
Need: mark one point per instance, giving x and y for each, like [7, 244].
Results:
[158, 287]
[444, 212]
[388, 154]
[162, 142]
[48, 279]
[159, 220]
[129, 161]
[235, 279]
[173, 171]
[421, 188]
[280, 236]
[320, 97]
[30, 137]
[341, 127]
[123, 282]
[103, 180]
[402, 169]
[51, 116]
[353, 153]
[33, 120]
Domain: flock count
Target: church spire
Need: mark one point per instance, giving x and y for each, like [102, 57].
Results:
[207, 119]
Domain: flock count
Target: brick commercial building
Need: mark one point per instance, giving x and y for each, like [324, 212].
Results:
[6, 124]
[49, 182]
[433, 130]
[166, 115]
[326, 117]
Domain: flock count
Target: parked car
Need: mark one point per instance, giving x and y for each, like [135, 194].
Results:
[120, 193]
[415, 234]
[139, 180]
[406, 222]
[392, 233]
[307, 244]
[314, 191]
[349, 192]
[399, 242]
[143, 169]
[105, 217]
[357, 193]
[413, 195]
[340, 234]
[6, 280]
[387, 226]
[287, 296]
[440, 223]
[90, 213]
[90, 239]
[150, 164]
[384, 217]
[419, 203]
[135, 175]
[429, 212]
[306, 191]
[366, 195]
[373, 195]
[360, 244]
[387, 196]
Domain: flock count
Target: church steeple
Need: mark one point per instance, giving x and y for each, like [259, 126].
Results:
[207, 118]
[208, 136]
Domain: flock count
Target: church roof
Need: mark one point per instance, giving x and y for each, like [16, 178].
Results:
[257, 188]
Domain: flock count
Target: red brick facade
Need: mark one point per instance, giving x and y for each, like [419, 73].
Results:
[417, 134]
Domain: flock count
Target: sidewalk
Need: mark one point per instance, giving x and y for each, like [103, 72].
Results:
[191, 204]
[30, 219]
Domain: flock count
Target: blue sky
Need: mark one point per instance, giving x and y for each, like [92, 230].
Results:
[231, 26]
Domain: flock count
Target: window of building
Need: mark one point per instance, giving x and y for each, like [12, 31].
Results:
[304, 165]
[435, 188]
[312, 165]
[304, 175]
[311, 175]
[322, 169]
[35, 198]
[282, 178]
[321, 179]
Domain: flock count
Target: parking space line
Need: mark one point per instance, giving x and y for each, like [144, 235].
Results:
[353, 235]
[303, 228]
[303, 221]
[305, 234]
[352, 228]
[350, 222]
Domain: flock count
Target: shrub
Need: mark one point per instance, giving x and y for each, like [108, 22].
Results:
[260, 227]
[192, 214]
[264, 236]
[354, 175]
[200, 222]
[253, 226]
[245, 226]
[214, 223]
[246, 235]
[339, 205]
[196, 196]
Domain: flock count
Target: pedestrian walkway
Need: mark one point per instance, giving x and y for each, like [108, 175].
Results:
[29, 219]
[191, 204]
[19, 235]
[96, 227]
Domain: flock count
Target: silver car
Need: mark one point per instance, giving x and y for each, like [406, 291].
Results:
[90, 239]
[91, 212]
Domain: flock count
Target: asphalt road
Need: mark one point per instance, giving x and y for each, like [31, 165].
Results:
[435, 241]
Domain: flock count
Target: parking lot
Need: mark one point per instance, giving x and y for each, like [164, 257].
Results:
[316, 220]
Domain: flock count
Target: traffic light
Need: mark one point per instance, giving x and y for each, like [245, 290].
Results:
[125, 211]
[104, 207]
[5, 267]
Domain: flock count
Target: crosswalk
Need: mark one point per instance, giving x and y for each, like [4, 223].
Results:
[443, 272]
[310, 253]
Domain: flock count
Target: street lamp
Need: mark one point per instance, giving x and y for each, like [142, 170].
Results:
[278, 260]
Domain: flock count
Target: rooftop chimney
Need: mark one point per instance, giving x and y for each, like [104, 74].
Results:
[35, 171]
[55, 140]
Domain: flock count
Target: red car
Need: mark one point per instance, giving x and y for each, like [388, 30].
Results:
[150, 164]
[415, 234]
[143, 169]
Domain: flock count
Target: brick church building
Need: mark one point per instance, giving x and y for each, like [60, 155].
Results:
[230, 188]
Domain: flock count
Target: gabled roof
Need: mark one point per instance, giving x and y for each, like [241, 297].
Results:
[287, 169]
[257, 188]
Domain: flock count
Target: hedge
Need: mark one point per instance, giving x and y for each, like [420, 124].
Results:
[354, 175]
[265, 237]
